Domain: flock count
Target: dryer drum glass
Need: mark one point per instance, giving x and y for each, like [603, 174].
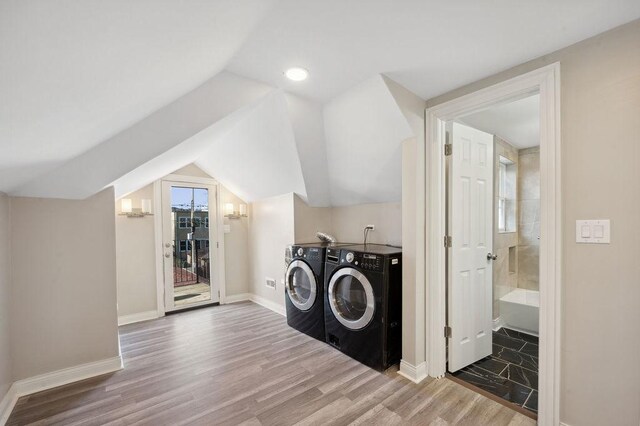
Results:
[350, 298]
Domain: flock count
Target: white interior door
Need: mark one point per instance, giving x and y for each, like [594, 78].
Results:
[470, 275]
[189, 244]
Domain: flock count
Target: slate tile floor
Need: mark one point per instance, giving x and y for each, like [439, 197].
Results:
[511, 371]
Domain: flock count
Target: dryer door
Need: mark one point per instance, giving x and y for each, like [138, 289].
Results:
[301, 285]
[351, 298]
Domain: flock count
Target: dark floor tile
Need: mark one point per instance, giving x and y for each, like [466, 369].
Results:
[530, 349]
[521, 375]
[514, 357]
[532, 402]
[508, 342]
[518, 335]
[491, 364]
[497, 385]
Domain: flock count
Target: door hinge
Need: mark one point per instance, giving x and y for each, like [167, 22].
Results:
[217, 244]
[447, 144]
[447, 241]
[447, 331]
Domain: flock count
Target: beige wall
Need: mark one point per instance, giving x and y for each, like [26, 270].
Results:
[236, 249]
[271, 229]
[348, 223]
[6, 376]
[529, 218]
[65, 292]
[310, 220]
[600, 90]
[505, 273]
[413, 320]
[413, 296]
[135, 243]
[135, 258]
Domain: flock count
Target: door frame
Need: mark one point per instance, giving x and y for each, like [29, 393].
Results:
[219, 219]
[546, 81]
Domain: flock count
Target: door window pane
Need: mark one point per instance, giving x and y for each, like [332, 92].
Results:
[191, 260]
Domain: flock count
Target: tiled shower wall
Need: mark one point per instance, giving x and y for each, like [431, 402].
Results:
[529, 218]
[505, 270]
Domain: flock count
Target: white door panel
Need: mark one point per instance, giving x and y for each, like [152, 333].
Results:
[470, 295]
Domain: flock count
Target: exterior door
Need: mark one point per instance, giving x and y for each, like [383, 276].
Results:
[351, 298]
[470, 289]
[189, 242]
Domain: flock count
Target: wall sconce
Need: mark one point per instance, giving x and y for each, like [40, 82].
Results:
[126, 208]
[231, 212]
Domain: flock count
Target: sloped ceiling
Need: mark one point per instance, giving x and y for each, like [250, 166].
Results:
[428, 46]
[364, 129]
[258, 158]
[76, 73]
[98, 93]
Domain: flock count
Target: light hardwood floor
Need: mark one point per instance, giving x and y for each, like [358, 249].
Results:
[241, 364]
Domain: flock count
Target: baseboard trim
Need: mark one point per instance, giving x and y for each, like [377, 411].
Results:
[278, 309]
[498, 324]
[7, 404]
[55, 379]
[139, 317]
[412, 372]
[234, 298]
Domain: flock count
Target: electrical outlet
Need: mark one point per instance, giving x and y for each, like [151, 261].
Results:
[372, 227]
[271, 283]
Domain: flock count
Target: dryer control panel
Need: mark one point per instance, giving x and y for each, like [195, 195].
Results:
[367, 261]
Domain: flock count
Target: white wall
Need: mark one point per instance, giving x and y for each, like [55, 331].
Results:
[6, 376]
[271, 229]
[600, 85]
[64, 296]
[135, 258]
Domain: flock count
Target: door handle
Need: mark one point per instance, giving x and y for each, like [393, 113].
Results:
[167, 255]
[491, 256]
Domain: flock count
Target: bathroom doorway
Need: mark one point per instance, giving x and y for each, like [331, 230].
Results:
[493, 210]
[544, 81]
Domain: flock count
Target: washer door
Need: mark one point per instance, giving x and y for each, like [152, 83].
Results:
[351, 298]
[301, 285]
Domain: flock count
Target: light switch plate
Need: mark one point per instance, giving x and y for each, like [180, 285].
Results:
[593, 231]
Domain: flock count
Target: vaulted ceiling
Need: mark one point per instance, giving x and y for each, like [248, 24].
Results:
[98, 93]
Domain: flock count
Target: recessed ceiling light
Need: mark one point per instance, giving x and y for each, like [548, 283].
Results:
[296, 74]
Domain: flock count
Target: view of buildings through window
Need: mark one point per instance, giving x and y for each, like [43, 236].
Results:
[190, 219]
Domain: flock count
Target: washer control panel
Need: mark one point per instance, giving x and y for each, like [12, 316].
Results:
[308, 253]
